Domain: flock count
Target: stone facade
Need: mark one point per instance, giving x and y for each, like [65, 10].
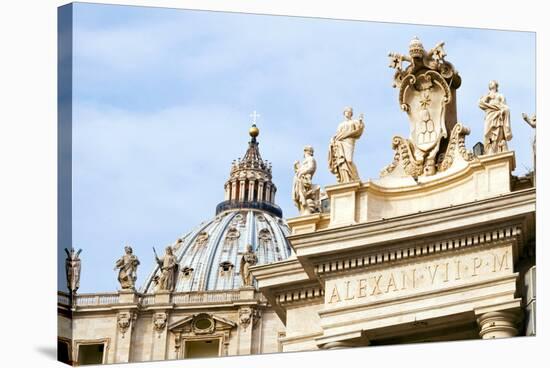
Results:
[441, 247]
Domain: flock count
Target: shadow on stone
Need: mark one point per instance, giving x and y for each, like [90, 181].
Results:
[48, 351]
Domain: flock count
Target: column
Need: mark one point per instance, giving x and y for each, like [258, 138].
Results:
[246, 325]
[496, 325]
[123, 341]
[261, 191]
[226, 194]
[233, 190]
[530, 301]
[251, 190]
[241, 190]
[160, 333]
[273, 190]
[126, 318]
[268, 192]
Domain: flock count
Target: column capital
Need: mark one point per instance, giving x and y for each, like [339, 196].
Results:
[499, 324]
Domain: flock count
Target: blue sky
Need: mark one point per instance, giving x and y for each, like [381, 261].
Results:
[162, 99]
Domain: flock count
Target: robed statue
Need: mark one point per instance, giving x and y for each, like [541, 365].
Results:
[248, 260]
[497, 120]
[72, 269]
[342, 146]
[305, 194]
[169, 269]
[127, 269]
[532, 121]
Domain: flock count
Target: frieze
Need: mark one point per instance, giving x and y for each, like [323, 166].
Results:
[408, 279]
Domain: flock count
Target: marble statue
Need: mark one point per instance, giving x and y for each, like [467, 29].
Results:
[127, 269]
[248, 259]
[304, 193]
[497, 120]
[72, 269]
[342, 145]
[427, 94]
[532, 121]
[169, 269]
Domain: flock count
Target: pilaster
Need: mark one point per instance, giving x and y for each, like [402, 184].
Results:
[160, 332]
[123, 343]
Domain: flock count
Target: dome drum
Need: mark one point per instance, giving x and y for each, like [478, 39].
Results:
[257, 205]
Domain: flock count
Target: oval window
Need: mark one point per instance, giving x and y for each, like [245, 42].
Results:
[203, 324]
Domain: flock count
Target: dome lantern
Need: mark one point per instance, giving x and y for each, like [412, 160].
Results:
[250, 180]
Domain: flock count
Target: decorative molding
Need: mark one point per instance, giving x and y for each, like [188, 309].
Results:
[201, 326]
[368, 260]
[306, 294]
[105, 341]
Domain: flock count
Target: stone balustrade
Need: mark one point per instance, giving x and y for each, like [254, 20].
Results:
[181, 298]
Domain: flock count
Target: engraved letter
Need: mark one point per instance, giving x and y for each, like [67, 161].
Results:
[503, 261]
[457, 269]
[362, 289]
[434, 273]
[477, 265]
[404, 274]
[334, 295]
[348, 296]
[391, 282]
[376, 288]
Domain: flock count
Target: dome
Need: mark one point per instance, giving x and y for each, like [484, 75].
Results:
[209, 256]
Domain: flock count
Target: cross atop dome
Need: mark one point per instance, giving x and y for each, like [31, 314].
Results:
[254, 116]
[254, 131]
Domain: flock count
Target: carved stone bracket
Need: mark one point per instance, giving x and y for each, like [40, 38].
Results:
[124, 321]
[248, 315]
[159, 322]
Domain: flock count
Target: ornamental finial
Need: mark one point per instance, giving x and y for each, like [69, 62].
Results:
[254, 131]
